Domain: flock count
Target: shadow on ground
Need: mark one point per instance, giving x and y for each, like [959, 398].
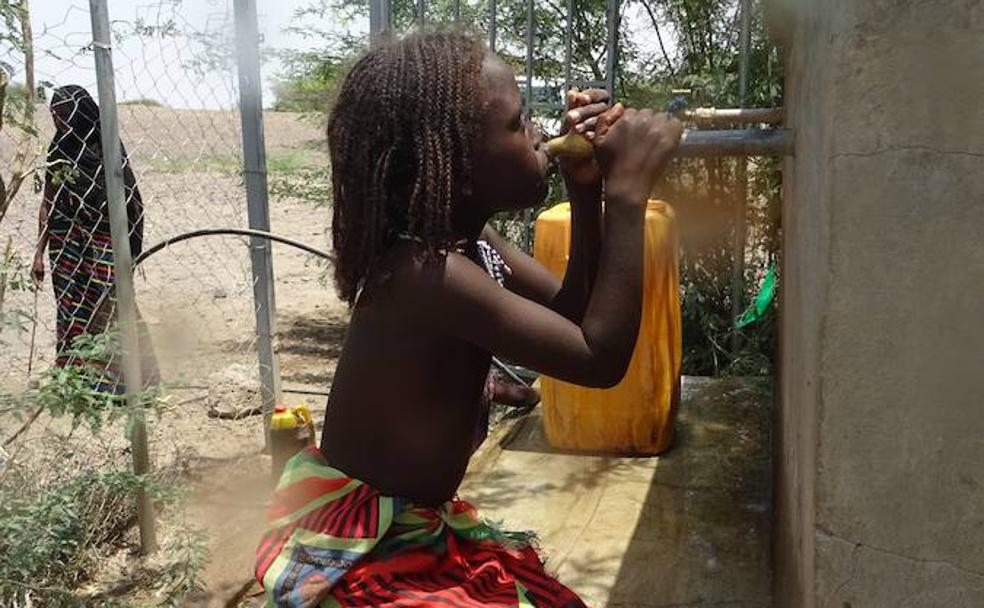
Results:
[309, 347]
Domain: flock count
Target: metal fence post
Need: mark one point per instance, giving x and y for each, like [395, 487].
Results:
[569, 48]
[527, 214]
[529, 58]
[255, 176]
[611, 62]
[119, 232]
[493, 23]
[380, 19]
[741, 177]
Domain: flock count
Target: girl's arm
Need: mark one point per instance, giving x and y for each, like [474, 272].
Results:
[459, 298]
[463, 301]
[568, 297]
[44, 213]
[584, 186]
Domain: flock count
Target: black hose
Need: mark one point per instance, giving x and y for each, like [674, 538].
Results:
[228, 231]
[279, 239]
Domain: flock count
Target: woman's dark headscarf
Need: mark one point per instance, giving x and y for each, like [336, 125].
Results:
[74, 163]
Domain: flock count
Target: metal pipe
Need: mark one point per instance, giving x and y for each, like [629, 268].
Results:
[745, 43]
[611, 60]
[737, 142]
[505, 369]
[492, 25]
[699, 144]
[529, 57]
[119, 225]
[456, 7]
[728, 116]
[257, 204]
[741, 177]
[380, 19]
[569, 43]
[421, 12]
[527, 215]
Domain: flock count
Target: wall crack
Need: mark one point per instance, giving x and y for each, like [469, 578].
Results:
[892, 149]
[826, 535]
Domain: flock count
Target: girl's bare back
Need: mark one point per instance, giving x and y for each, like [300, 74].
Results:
[405, 398]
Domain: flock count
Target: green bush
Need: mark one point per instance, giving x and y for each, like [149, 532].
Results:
[66, 505]
[53, 536]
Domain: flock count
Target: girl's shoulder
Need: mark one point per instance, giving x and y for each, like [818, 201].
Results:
[411, 255]
[412, 275]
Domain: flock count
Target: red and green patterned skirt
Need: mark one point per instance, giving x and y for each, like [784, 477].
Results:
[333, 541]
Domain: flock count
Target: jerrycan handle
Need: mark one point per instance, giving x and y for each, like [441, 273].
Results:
[302, 413]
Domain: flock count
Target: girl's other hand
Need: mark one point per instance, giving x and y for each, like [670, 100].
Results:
[633, 151]
[583, 110]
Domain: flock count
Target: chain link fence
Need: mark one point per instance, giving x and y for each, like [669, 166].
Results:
[180, 128]
[72, 448]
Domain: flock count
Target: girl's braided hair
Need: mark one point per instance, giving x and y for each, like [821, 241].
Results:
[401, 134]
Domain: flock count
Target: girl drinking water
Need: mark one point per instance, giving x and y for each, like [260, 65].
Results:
[428, 140]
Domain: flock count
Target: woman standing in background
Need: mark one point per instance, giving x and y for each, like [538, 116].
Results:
[73, 223]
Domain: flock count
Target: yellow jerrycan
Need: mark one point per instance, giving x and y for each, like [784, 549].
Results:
[636, 416]
[291, 430]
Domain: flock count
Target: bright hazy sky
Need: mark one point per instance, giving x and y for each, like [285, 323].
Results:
[153, 70]
[157, 67]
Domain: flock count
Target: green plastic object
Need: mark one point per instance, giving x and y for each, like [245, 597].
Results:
[763, 300]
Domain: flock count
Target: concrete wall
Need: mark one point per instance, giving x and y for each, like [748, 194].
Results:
[880, 443]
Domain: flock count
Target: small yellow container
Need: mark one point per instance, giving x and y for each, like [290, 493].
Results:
[291, 430]
[637, 416]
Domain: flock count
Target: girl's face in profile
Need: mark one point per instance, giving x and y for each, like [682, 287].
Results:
[510, 166]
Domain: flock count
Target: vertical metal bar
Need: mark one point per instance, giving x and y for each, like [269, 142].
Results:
[528, 213]
[456, 7]
[745, 43]
[126, 305]
[741, 178]
[529, 58]
[611, 62]
[493, 22]
[421, 12]
[569, 50]
[380, 19]
[255, 176]
[568, 71]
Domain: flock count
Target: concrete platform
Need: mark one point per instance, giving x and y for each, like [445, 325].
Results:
[690, 528]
